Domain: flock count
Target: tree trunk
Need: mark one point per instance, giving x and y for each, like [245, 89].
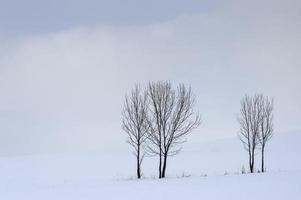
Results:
[138, 164]
[160, 165]
[138, 170]
[262, 159]
[164, 166]
[250, 162]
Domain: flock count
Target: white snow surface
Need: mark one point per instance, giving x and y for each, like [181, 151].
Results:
[208, 170]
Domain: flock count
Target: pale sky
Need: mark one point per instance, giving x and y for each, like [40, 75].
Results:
[42, 16]
[65, 66]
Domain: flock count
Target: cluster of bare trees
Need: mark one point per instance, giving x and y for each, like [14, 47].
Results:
[256, 126]
[157, 120]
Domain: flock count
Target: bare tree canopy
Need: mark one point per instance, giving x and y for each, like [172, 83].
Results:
[171, 118]
[135, 124]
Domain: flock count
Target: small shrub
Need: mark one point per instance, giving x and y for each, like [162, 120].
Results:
[243, 170]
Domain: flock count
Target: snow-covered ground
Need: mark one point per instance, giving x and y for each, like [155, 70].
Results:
[107, 175]
[259, 186]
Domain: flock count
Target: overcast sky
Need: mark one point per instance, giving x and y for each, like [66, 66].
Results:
[65, 65]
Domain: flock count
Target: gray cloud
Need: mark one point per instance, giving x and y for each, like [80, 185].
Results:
[64, 91]
[41, 16]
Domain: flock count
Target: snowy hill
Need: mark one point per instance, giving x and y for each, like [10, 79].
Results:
[106, 175]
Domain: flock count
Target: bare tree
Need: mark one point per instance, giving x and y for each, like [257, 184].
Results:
[250, 120]
[266, 127]
[171, 118]
[135, 124]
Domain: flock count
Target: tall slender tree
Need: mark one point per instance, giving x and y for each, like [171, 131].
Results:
[171, 118]
[250, 119]
[266, 127]
[135, 124]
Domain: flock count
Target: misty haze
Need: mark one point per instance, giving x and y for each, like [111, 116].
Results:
[150, 99]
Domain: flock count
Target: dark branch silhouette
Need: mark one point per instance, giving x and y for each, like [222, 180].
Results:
[171, 118]
[266, 127]
[250, 119]
[135, 124]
